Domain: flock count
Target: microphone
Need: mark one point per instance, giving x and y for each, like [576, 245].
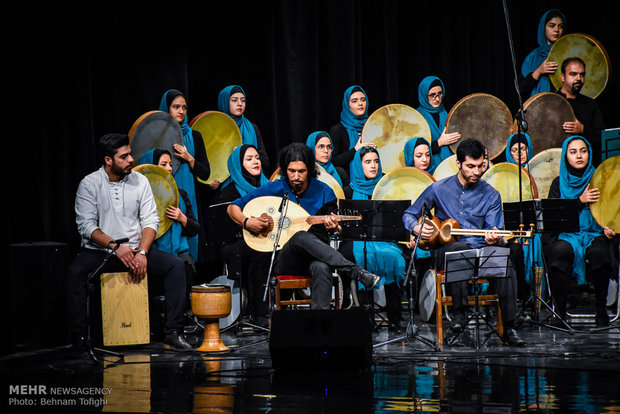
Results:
[120, 241]
[284, 198]
[427, 212]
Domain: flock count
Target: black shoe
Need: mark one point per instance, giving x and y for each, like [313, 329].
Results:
[176, 342]
[512, 338]
[366, 278]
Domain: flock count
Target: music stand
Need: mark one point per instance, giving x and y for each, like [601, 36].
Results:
[381, 221]
[553, 215]
[490, 262]
[227, 232]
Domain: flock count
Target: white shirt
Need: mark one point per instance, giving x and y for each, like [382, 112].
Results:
[119, 210]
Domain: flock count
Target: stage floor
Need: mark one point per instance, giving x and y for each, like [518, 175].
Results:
[555, 372]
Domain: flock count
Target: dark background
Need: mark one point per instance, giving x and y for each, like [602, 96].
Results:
[75, 74]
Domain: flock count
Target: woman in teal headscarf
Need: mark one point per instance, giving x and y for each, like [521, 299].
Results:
[232, 101]
[184, 223]
[385, 259]
[346, 134]
[418, 154]
[321, 143]
[588, 253]
[520, 148]
[243, 263]
[194, 162]
[535, 68]
[431, 95]
[246, 173]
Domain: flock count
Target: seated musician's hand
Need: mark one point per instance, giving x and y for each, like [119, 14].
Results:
[175, 213]
[427, 231]
[258, 224]
[181, 152]
[126, 255]
[138, 272]
[330, 222]
[411, 243]
[590, 195]
[609, 233]
[492, 238]
[215, 184]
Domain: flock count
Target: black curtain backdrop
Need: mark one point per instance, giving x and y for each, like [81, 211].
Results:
[76, 74]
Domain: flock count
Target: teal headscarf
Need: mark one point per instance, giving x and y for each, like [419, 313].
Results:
[248, 133]
[427, 110]
[328, 166]
[183, 175]
[236, 170]
[385, 259]
[410, 149]
[362, 186]
[352, 123]
[513, 140]
[538, 55]
[572, 186]
[173, 241]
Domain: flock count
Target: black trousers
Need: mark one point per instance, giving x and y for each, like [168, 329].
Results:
[505, 287]
[160, 265]
[599, 258]
[306, 254]
[251, 267]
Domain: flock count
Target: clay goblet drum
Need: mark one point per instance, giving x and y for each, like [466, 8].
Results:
[211, 302]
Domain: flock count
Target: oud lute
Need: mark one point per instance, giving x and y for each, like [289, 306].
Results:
[296, 219]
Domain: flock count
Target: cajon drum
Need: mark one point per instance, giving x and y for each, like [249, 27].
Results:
[124, 310]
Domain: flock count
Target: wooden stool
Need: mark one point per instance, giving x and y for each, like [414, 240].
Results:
[288, 282]
[483, 300]
[211, 302]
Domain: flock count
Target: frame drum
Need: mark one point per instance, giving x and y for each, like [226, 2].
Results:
[446, 168]
[427, 296]
[503, 177]
[404, 183]
[221, 135]
[484, 117]
[545, 113]
[606, 177]
[165, 192]
[592, 52]
[544, 167]
[390, 127]
[155, 129]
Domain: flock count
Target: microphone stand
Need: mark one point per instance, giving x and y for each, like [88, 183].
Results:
[412, 328]
[89, 291]
[283, 210]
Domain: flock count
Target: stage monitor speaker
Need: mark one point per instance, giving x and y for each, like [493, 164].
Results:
[321, 340]
[38, 274]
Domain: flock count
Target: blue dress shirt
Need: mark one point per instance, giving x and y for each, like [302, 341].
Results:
[478, 206]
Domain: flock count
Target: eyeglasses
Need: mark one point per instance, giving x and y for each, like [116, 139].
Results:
[435, 95]
[324, 147]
